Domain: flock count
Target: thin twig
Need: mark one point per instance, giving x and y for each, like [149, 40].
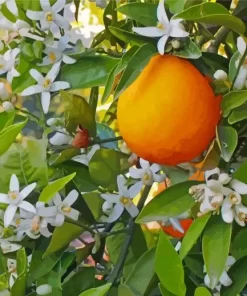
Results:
[105, 140]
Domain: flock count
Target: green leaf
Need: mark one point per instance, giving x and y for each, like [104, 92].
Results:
[169, 203]
[59, 158]
[83, 253]
[189, 49]
[175, 6]
[215, 246]
[4, 283]
[201, 291]
[227, 138]
[241, 173]
[38, 48]
[28, 161]
[213, 14]
[232, 100]
[94, 201]
[239, 245]
[6, 119]
[9, 134]
[77, 111]
[95, 71]
[143, 273]
[237, 274]
[131, 38]
[105, 132]
[62, 236]
[190, 3]
[195, 264]
[27, 51]
[100, 291]
[135, 66]
[238, 114]
[105, 166]
[232, 66]
[176, 174]
[109, 85]
[79, 282]
[51, 189]
[21, 261]
[124, 290]
[168, 267]
[164, 291]
[192, 235]
[143, 13]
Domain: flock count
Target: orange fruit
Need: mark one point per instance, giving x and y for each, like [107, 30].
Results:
[174, 232]
[168, 115]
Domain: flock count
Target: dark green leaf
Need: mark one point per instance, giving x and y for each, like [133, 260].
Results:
[232, 66]
[238, 114]
[232, 100]
[195, 264]
[189, 50]
[175, 6]
[190, 3]
[227, 138]
[241, 173]
[89, 71]
[169, 203]
[124, 290]
[192, 235]
[63, 156]
[94, 201]
[176, 174]
[213, 13]
[19, 287]
[38, 48]
[100, 291]
[239, 245]
[215, 245]
[169, 267]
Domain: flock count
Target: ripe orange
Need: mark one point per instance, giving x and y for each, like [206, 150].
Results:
[168, 115]
[174, 232]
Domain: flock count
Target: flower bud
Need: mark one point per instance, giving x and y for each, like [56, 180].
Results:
[107, 207]
[81, 139]
[5, 90]
[224, 178]
[44, 289]
[7, 106]
[220, 75]
[176, 44]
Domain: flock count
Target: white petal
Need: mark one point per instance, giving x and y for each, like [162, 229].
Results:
[144, 164]
[136, 173]
[45, 5]
[27, 190]
[241, 45]
[52, 74]
[224, 178]
[58, 85]
[241, 78]
[161, 44]
[207, 280]
[178, 246]
[14, 72]
[92, 151]
[45, 232]
[176, 224]
[73, 214]
[14, 183]
[161, 12]
[60, 21]
[159, 178]
[81, 159]
[241, 208]
[122, 189]
[238, 186]
[155, 167]
[107, 207]
[135, 189]
[27, 206]
[45, 101]
[59, 220]
[4, 198]
[176, 31]
[230, 261]
[58, 5]
[44, 289]
[210, 173]
[57, 199]
[47, 211]
[37, 76]
[227, 212]
[31, 36]
[116, 213]
[220, 75]
[9, 214]
[113, 198]
[60, 139]
[132, 209]
[14, 53]
[225, 279]
[68, 60]
[71, 197]
[149, 31]
[31, 90]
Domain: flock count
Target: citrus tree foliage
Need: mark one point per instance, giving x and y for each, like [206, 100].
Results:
[73, 197]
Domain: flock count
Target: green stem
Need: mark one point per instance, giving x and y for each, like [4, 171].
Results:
[106, 140]
[239, 66]
[81, 224]
[105, 234]
[128, 239]
[36, 118]
[219, 37]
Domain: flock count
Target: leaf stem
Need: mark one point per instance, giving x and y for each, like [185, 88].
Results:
[239, 66]
[36, 118]
[128, 239]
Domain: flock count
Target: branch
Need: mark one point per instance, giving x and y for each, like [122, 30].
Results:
[219, 37]
[105, 140]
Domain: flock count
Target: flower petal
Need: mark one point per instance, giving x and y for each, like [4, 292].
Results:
[31, 90]
[4, 198]
[27, 190]
[81, 159]
[52, 74]
[45, 232]
[113, 198]
[210, 173]
[14, 183]
[122, 189]
[71, 197]
[60, 21]
[144, 164]
[161, 12]
[35, 15]
[225, 279]
[241, 45]
[155, 167]
[116, 213]
[149, 31]
[44, 289]
[37, 76]
[45, 101]
[60, 139]
[135, 189]
[45, 5]
[227, 212]
[68, 60]
[132, 209]
[136, 173]
[230, 261]
[241, 78]
[27, 206]
[159, 178]
[58, 5]
[178, 32]
[73, 214]
[207, 280]
[239, 186]
[57, 199]
[9, 214]
[161, 44]
[176, 224]
[58, 85]
[92, 151]
[59, 220]
[47, 211]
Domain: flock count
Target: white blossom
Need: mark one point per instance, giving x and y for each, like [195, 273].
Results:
[220, 75]
[8, 62]
[11, 5]
[45, 85]
[86, 157]
[44, 289]
[8, 247]
[164, 28]
[242, 74]
[122, 200]
[8, 106]
[15, 199]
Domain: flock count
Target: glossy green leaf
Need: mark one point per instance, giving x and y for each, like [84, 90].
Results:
[100, 291]
[95, 71]
[21, 261]
[195, 264]
[232, 66]
[164, 291]
[143, 272]
[189, 50]
[9, 134]
[227, 138]
[78, 112]
[6, 119]
[175, 6]
[105, 166]
[201, 291]
[169, 203]
[168, 267]
[4, 283]
[176, 174]
[38, 48]
[131, 38]
[124, 290]
[241, 173]
[135, 66]
[62, 236]
[51, 189]
[232, 100]
[189, 3]
[109, 85]
[239, 245]
[213, 13]
[143, 13]
[215, 246]
[237, 274]
[238, 114]
[65, 155]
[27, 51]
[105, 132]
[192, 235]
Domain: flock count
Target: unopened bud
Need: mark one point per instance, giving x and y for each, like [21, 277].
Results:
[176, 44]
[7, 106]
[107, 207]
[44, 289]
[220, 75]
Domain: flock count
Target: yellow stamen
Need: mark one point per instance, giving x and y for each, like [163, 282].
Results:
[242, 216]
[49, 17]
[13, 195]
[160, 25]
[124, 200]
[47, 83]
[66, 209]
[18, 221]
[52, 56]
[146, 177]
[233, 198]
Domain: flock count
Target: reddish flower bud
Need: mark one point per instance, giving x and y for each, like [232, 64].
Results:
[81, 139]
